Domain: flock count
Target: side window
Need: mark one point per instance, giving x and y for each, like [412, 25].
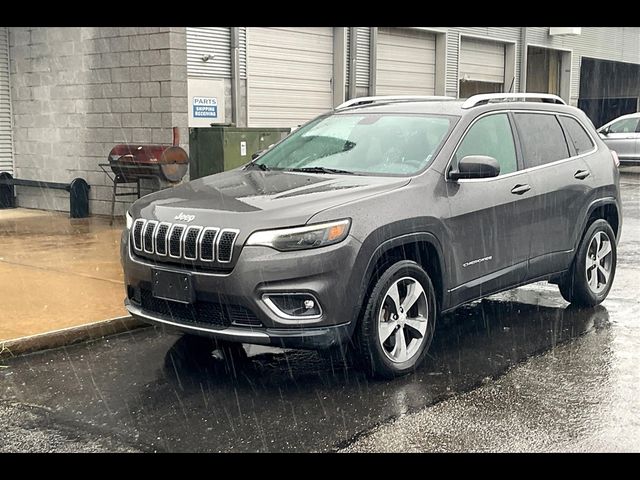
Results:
[577, 135]
[491, 136]
[542, 138]
[628, 125]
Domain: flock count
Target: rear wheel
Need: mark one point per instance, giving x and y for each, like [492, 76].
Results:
[398, 323]
[589, 280]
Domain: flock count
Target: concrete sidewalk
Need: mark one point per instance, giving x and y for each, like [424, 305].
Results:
[57, 273]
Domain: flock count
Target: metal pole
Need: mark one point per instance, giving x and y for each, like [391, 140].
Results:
[235, 74]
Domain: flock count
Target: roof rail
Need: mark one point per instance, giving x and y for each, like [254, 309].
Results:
[485, 98]
[392, 98]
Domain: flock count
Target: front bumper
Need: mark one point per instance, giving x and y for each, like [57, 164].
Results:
[322, 272]
[309, 337]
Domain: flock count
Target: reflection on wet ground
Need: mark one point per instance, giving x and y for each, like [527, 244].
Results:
[161, 392]
[57, 272]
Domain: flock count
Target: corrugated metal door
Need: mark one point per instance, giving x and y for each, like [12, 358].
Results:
[214, 42]
[289, 75]
[481, 60]
[406, 62]
[6, 143]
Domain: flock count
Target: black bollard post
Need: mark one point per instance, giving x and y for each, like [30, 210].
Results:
[79, 198]
[7, 193]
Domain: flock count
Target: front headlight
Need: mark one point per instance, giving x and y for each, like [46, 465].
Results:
[300, 238]
[129, 221]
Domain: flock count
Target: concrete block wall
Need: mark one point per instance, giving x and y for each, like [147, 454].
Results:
[77, 91]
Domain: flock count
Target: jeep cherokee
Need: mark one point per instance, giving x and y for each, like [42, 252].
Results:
[365, 224]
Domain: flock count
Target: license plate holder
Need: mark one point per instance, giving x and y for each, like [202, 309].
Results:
[173, 286]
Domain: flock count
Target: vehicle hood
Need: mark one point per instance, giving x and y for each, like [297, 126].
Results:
[254, 199]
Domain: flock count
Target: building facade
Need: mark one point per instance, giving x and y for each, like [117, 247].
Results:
[67, 95]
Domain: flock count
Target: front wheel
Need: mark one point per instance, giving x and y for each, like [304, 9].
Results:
[398, 323]
[591, 275]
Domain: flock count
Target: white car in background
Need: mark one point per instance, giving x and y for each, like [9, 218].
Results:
[623, 136]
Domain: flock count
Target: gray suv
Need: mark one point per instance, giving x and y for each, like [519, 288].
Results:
[359, 229]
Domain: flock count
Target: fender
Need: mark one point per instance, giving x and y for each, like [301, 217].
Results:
[598, 203]
[397, 241]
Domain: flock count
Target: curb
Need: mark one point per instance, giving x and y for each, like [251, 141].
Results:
[67, 336]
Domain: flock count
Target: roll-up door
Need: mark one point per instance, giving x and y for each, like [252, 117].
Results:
[289, 75]
[209, 52]
[6, 144]
[406, 62]
[481, 61]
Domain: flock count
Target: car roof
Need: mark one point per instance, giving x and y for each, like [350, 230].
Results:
[628, 115]
[453, 107]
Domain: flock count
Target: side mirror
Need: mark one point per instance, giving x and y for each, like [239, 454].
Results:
[476, 166]
[256, 154]
[605, 131]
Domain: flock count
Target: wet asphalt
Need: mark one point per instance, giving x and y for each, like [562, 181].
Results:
[521, 371]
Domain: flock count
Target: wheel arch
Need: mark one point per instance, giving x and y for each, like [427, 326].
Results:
[422, 247]
[603, 208]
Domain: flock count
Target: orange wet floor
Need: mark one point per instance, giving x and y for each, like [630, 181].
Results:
[56, 272]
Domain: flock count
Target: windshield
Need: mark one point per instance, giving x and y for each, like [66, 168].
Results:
[400, 144]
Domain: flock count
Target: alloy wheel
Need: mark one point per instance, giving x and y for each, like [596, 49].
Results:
[599, 262]
[403, 319]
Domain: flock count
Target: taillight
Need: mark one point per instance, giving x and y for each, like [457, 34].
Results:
[616, 160]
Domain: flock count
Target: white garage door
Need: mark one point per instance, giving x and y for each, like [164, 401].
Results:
[6, 155]
[289, 75]
[481, 61]
[406, 62]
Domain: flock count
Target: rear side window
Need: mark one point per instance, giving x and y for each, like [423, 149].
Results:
[541, 137]
[577, 135]
[491, 136]
[627, 125]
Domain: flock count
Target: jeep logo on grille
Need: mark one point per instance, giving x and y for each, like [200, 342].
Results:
[184, 218]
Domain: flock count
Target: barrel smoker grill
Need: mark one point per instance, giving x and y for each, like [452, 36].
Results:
[131, 163]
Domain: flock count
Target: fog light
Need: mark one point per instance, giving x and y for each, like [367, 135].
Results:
[293, 306]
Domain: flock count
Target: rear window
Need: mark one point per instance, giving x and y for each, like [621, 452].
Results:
[577, 135]
[541, 137]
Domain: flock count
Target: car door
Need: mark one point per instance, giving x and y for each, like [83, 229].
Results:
[623, 137]
[560, 184]
[488, 219]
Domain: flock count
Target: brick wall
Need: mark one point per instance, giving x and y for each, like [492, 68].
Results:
[76, 92]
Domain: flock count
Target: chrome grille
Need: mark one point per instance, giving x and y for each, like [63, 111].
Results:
[208, 244]
[175, 241]
[147, 239]
[136, 233]
[161, 238]
[225, 245]
[191, 243]
[179, 241]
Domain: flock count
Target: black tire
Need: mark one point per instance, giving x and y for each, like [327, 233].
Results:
[371, 353]
[574, 287]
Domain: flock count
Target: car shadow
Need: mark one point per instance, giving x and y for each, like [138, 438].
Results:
[480, 339]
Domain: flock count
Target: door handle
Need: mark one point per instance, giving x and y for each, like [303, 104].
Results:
[582, 174]
[520, 189]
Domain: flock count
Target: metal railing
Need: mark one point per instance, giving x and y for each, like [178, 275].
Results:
[485, 98]
[391, 98]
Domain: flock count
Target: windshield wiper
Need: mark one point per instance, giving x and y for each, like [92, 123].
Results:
[260, 166]
[322, 170]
